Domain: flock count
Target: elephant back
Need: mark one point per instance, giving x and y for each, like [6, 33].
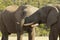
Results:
[30, 10]
[11, 8]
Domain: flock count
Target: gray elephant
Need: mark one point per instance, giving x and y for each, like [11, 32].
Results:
[50, 16]
[12, 21]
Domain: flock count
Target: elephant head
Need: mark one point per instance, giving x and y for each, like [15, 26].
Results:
[49, 14]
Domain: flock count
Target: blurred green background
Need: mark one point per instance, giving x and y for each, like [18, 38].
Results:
[42, 30]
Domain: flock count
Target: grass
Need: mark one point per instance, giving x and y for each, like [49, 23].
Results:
[26, 38]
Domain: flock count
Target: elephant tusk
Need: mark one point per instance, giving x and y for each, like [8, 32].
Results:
[17, 22]
[28, 24]
[35, 25]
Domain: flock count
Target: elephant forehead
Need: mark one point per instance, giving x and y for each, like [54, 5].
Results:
[11, 8]
[30, 10]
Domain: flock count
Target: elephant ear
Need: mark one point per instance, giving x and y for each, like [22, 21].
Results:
[52, 17]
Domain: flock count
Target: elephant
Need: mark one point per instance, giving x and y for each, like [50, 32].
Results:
[12, 20]
[48, 15]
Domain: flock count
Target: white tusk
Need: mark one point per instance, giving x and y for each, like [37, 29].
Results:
[17, 22]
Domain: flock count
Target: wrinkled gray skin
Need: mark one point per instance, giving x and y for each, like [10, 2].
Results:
[49, 15]
[12, 20]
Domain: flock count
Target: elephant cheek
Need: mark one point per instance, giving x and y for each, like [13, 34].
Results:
[42, 19]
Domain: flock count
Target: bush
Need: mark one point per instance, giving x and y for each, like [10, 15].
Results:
[0, 34]
[41, 30]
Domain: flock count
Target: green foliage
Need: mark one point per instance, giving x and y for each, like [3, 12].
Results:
[42, 30]
[37, 3]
